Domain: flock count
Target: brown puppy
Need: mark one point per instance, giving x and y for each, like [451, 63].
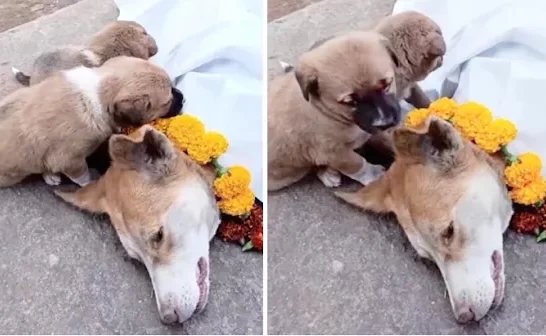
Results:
[451, 201]
[51, 127]
[120, 38]
[419, 46]
[312, 114]
[163, 208]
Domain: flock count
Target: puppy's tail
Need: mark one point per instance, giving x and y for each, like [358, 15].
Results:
[286, 67]
[21, 77]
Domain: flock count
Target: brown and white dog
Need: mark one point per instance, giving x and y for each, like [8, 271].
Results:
[163, 208]
[51, 127]
[451, 201]
[120, 38]
[320, 113]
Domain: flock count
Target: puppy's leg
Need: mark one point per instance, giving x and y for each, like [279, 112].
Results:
[78, 172]
[329, 177]
[379, 149]
[357, 168]
[52, 179]
[418, 98]
[8, 180]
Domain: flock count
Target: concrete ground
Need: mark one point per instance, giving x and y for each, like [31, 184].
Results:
[335, 270]
[63, 271]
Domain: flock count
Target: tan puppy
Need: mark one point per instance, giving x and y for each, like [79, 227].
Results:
[163, 208]
[120, 38]
[51, 127]
[313, 116]
[452, 203]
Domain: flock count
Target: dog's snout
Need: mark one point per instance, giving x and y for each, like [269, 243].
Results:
[177, 103]
[465, 315]
[169, 317]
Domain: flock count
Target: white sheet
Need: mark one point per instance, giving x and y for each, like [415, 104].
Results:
[212, 49]
[496, 55]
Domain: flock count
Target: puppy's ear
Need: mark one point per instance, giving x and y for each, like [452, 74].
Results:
[152, 153]
[131, 111]
[437, 145]
[91, 198]
[437, 44]
[307, 78]
[390, 49]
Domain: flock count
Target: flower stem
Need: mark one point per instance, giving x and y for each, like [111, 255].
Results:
[509, 157]
[245, 216]
[247, 246]
[539, 203]
[220, 170]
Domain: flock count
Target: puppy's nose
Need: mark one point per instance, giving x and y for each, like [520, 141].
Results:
[169, 317]
[465, 315]
[177, 103]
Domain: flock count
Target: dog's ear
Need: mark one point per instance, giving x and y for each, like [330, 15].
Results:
[438, 143]
[437, 44]
[390, 49]
[307, 78]
[374, 197]
[91, 198]
[151, 153]
[130, 111]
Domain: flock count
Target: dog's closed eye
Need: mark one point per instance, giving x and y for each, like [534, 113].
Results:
[157, 238]
[447, 234]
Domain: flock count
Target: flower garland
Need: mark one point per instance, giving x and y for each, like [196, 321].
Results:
[231, 186]
[522, 175]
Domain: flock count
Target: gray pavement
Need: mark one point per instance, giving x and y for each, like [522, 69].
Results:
[63, 271]
[335, 270]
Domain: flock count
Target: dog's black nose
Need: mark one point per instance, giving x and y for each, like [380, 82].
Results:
[177, 103]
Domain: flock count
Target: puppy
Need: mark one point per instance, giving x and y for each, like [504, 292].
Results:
[163, 208]
[51, 127]
[120, 38]
[419, 46]
[314, 114]
[451, 201]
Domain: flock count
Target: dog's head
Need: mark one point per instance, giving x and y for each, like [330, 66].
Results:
[162, 206]
[348, 77]
[137, 92]
[417, 40]
[451, 201]
[123, 38]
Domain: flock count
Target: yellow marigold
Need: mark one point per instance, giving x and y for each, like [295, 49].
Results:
[185, 130]
[498, 133]
[199, 151]
[234, 182]
[416, 118]
[444, 108]
[523, 172]
[471, 118]
[238, 205]
[217, 142]
[532, 193]
[161, 124]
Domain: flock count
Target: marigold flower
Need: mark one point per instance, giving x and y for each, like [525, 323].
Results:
[416, 118]
[524, 171]
[471, 118]
[495, 135]
[185, 130]
[257, 239]
[532, 193]
[217, 143]
[234, 182]
[238, 205]
[161, 124]
[444, 108]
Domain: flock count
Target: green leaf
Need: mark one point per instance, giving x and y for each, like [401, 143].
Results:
[541, 236]
[247, 246]
[539, 203]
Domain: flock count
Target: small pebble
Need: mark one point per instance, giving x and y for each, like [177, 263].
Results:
[337, 266]
[53, 260]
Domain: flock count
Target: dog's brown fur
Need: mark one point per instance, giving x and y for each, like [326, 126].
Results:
[120, 38]
[419, 46]
[51, 127]
[310, 123]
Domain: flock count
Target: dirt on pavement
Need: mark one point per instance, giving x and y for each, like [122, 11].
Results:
[16, 12]
[279, 8]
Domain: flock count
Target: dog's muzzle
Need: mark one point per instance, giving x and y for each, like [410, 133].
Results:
[379, 112]
[177, 103]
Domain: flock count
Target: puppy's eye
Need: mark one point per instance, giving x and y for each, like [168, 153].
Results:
[448, 232]
[351, 100]
[148, 106]
[157, 238]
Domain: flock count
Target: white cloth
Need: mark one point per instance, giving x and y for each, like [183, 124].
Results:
[212, 49]
[496, 55]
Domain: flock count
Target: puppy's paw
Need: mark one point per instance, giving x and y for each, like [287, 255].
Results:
[372, 173]
[82, 180]
[52, 179]
[330, 178]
